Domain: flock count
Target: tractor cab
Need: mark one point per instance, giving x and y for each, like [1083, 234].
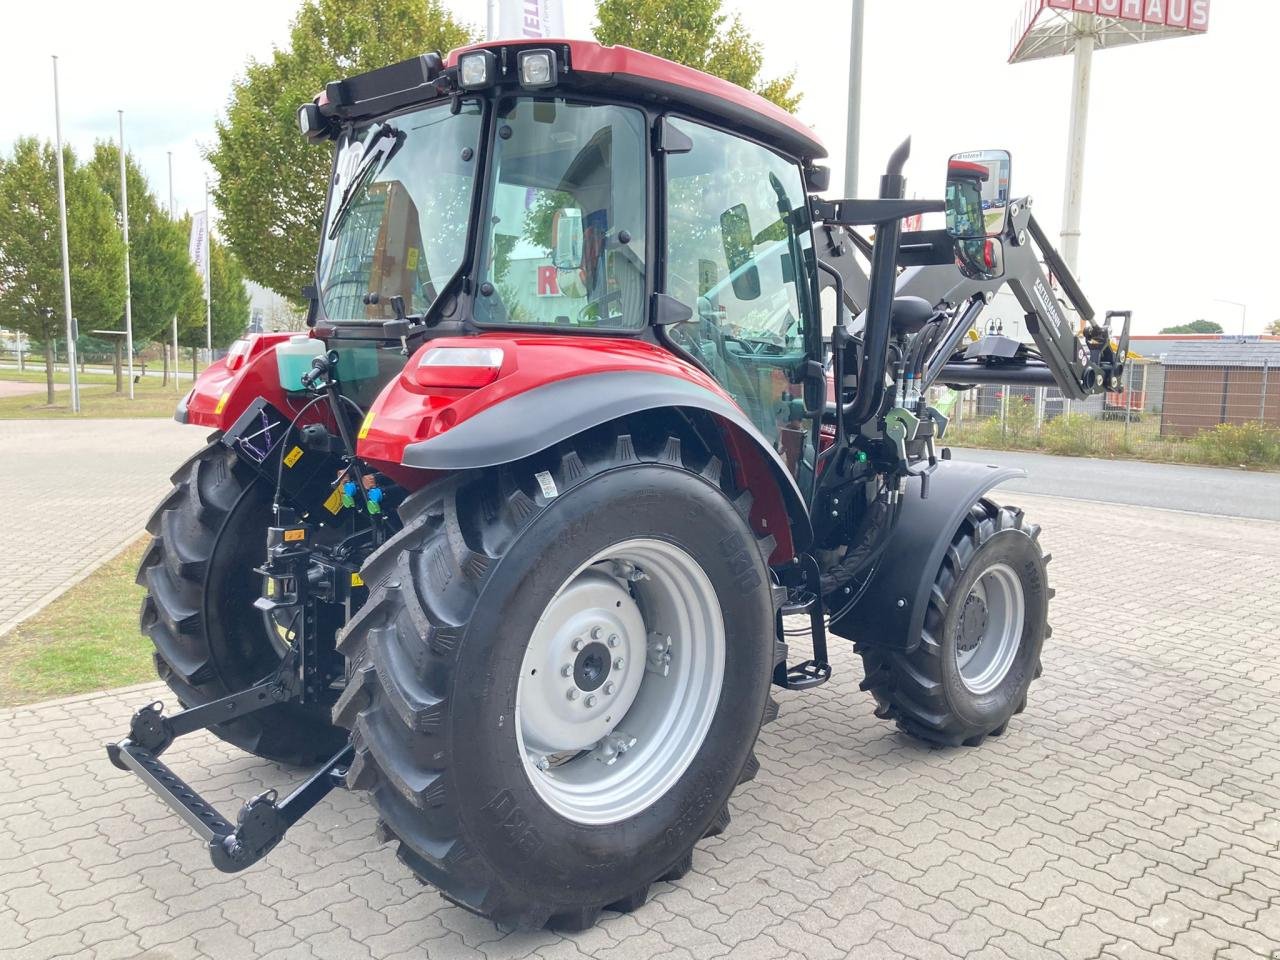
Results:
[569, 188]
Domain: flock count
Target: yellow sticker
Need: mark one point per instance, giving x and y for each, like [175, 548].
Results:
[293, 456]
[222, 402]
[364, 427]
[334, 503]
[357, 580]
[271, 586]
[411, 259]
[292, 536]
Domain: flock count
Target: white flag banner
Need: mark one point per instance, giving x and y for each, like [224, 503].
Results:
[198, 247]
[525, 19]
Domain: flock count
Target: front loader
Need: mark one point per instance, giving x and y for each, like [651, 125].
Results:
[515, 540]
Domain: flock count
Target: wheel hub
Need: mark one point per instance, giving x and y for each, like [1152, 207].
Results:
[620, 681]
[988, 632]
[592, 667]
[973, 621]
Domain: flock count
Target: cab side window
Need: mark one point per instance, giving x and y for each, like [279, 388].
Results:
[737, 243]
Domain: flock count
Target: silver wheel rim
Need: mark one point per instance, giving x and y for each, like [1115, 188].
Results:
[620, 681]
[989, 629]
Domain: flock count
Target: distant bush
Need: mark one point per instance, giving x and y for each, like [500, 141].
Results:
[1244, 444]
[1071, 435]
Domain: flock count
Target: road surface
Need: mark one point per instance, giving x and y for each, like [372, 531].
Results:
[1171, 486]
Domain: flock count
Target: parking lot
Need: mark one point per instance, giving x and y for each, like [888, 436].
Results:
[1130, 812]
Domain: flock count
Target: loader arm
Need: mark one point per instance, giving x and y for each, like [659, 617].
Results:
[1079, 359]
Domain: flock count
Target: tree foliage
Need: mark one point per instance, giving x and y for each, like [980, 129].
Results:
[698, 34]
[1273, 328]
[1195, 326]
[271, 182]
[159, 267]
[229, 302]
[31, 254]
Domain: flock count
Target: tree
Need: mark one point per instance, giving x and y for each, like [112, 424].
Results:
[697, 34]
[271, 182]
[229, 302]
[1273, 328]
[30, 248]
[1195, 326]
[159, 267]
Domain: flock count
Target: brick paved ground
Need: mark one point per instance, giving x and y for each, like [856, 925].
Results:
[1131, 812]
[74, 493]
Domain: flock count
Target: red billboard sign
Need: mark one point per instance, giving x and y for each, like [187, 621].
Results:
[1187, 14]
[1044, 29]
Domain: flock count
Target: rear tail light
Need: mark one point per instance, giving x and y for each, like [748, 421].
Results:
[458, 366]
[238, 353]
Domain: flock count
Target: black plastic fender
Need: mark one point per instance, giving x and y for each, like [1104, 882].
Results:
[537, 419]
[893, 607]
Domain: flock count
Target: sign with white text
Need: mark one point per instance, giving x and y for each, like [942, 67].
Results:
[1045, 28]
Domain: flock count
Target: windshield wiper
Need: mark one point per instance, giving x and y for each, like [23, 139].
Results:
[385, 143]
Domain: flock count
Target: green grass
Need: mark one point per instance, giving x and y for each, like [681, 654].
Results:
[98, 399]
[85, 640]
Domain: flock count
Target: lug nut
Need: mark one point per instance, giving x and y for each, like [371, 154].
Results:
[595, 633]
[591, 700]
[573, 693]
[608, 689]
[617, 664]
[577, 643]
[566, 670]
[613, 639]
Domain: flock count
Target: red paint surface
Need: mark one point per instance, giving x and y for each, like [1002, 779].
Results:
[406, 412]
[258, 377]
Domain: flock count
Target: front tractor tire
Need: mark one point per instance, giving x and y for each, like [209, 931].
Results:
[968, 673]
[208, 535]
[559, 676]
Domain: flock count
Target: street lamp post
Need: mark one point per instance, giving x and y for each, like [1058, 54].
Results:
[1244, 312]
[66, 258]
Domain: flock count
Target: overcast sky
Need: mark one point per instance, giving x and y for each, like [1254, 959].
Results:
[1181, 181]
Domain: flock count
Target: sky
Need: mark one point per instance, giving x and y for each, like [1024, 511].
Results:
[1180, 197]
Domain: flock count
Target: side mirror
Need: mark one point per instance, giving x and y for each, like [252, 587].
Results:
[739, 248]
[566, 238]
[978, 194]
[981, 259]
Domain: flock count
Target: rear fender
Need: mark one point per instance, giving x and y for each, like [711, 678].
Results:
[892, 609]
[220, 395]
[558, 387]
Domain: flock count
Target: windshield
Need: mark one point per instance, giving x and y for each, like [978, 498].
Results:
[399, 213]
[565, 243]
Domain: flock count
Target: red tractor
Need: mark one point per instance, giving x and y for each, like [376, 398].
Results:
[509, 540]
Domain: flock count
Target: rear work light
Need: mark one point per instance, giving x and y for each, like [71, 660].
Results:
[458, 366]
[537, 69]
[476, 69]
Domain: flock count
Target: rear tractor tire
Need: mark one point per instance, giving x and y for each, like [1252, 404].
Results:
[970, 670]
[208, 534]
[559, 676]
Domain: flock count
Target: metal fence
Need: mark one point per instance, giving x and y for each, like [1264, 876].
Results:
[1165, 411]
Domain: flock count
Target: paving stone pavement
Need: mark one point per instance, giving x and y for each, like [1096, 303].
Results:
[1131, 812]
[95, 483]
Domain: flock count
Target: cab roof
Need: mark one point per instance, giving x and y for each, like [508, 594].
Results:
[646, 77]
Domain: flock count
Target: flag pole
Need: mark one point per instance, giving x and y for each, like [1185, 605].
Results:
[176, 387]
[66, 256]
[128, 290]
[208, 271]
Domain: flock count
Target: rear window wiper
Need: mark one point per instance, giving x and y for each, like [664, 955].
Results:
[385, 143]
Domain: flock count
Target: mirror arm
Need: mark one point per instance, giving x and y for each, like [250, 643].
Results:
[854, 213]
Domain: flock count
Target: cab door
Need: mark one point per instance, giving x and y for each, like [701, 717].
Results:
[738, 254]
